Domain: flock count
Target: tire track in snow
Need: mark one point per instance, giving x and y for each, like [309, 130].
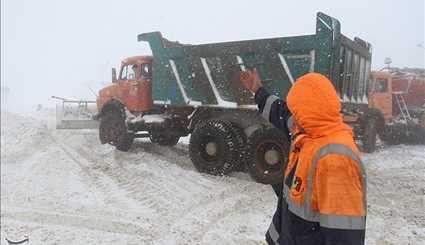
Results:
[163, 168]
[52, 144]
[142, 186]
[164, 196]
[139, 185]
[88, 222]
[180, 158]
[208, 213]
[170, 154]
[96, 180]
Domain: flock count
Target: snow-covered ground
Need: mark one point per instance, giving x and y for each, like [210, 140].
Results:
[64, 187]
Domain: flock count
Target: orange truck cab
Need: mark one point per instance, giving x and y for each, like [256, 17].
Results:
[380, 94]
[403, 120]
[133, 85]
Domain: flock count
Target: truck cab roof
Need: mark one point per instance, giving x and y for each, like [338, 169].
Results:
[137, 59]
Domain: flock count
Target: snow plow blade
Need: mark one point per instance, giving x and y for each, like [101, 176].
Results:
[75, 114]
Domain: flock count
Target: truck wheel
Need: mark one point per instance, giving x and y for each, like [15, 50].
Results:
[393, 136]
[165, 140]
[214, 147]
[113, 130]
[369, 136]
[267, 153]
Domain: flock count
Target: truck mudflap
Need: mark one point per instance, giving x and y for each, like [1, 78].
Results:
[75, 114]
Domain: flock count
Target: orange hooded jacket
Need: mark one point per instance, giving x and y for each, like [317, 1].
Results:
[329, 181]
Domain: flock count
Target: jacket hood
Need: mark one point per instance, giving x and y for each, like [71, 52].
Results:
[315, 106]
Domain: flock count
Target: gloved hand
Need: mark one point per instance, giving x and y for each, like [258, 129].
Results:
[251, 80]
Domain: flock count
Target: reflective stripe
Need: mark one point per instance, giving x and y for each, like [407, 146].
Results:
[286, 68]
[274, 235]
[285, 190]
[301, 210]
[343, 222]
[312, 60]
[268, 106]
[326, 220]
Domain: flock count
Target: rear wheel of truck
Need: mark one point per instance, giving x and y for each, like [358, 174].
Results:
[267, 154]
[214, 147]
[113, 130]
[164, 140]
[394, 135]
[370, 134]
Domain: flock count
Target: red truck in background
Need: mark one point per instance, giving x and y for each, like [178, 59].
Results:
[414, 87]
[399, 96]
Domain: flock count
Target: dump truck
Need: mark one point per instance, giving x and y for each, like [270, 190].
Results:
[399, 98]
[196, 89]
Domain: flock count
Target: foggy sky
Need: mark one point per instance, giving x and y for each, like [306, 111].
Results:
[60, 47]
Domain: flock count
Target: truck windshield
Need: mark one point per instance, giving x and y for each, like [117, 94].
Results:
[128, 72]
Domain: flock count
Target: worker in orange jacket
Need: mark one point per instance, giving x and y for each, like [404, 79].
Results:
[322, 200]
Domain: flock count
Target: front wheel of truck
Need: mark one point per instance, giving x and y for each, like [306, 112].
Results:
[214, 147]
[267, 153]
[113, 130]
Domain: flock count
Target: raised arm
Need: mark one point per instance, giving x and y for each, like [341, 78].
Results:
[271, 107]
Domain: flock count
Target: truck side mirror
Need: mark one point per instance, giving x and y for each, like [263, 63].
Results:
[114, 75]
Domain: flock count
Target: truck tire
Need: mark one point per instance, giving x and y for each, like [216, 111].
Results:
[214, 147]
[164, 140]
[113, 130]
[369, 136]
[394, 135]
[267, 153]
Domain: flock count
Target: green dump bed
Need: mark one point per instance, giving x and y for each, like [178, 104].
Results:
[208, 74]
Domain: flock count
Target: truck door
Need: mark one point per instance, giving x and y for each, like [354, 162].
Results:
[381, 96]
[135, 83]
[129, 86]
[145, 87]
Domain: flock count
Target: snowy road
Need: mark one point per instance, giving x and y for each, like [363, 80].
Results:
[64, 187]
